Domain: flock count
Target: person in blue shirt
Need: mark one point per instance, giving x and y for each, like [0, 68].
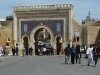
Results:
[72, 54]
[78, 54]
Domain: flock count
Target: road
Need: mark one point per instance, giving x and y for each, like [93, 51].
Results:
[44, 65]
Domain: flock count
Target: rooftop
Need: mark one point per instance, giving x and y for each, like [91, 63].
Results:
[39, 7]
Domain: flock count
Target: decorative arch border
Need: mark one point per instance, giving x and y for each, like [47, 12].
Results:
[60, 37]
[25, 36]
[38, 27]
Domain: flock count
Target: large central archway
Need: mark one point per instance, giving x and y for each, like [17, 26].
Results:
[41, 33]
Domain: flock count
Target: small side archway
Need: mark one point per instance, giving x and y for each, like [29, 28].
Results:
[25, 40]
[58, 44]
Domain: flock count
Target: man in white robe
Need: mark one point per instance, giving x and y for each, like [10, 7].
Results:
[90, 55]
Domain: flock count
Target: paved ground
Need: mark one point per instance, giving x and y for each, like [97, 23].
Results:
[44, 65]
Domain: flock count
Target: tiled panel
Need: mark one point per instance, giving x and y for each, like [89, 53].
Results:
[52, 24]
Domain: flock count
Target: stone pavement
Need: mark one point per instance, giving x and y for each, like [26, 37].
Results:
[45, 65]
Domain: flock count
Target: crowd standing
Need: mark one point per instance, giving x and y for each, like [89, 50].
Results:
[45, 50]
[92, 53]
[15, 50]
[6, 50]
[74, 53]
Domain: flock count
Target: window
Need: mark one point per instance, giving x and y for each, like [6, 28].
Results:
[77, 38]
[8, 39]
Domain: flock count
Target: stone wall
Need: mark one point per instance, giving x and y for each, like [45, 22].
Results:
[93, 34]
[5, 33]
[77, 29]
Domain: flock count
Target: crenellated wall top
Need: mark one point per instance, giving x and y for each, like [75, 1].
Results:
[43, 7]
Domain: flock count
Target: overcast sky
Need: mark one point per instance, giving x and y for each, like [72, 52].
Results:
[81, 7]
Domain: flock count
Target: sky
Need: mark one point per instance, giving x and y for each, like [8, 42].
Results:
[81, 7]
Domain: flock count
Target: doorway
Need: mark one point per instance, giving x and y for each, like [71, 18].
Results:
[58, 44]
[41, 37]
[26, 45]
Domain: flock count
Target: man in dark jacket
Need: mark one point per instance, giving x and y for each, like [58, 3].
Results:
[30, 51]
[13, 50]
[16, 50]
[78, 54]
[73, 54]
[67, 53]
[95, 54]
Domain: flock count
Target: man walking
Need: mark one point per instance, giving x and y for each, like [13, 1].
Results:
[78, 54]
[90, 55]
[67, 53]
[73, 54]
[95, 54]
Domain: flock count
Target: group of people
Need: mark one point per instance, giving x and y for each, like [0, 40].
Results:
[45, 50]
[92, 54]
[4, 50]
[15, 51]
[27, 51]
[74, 52]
